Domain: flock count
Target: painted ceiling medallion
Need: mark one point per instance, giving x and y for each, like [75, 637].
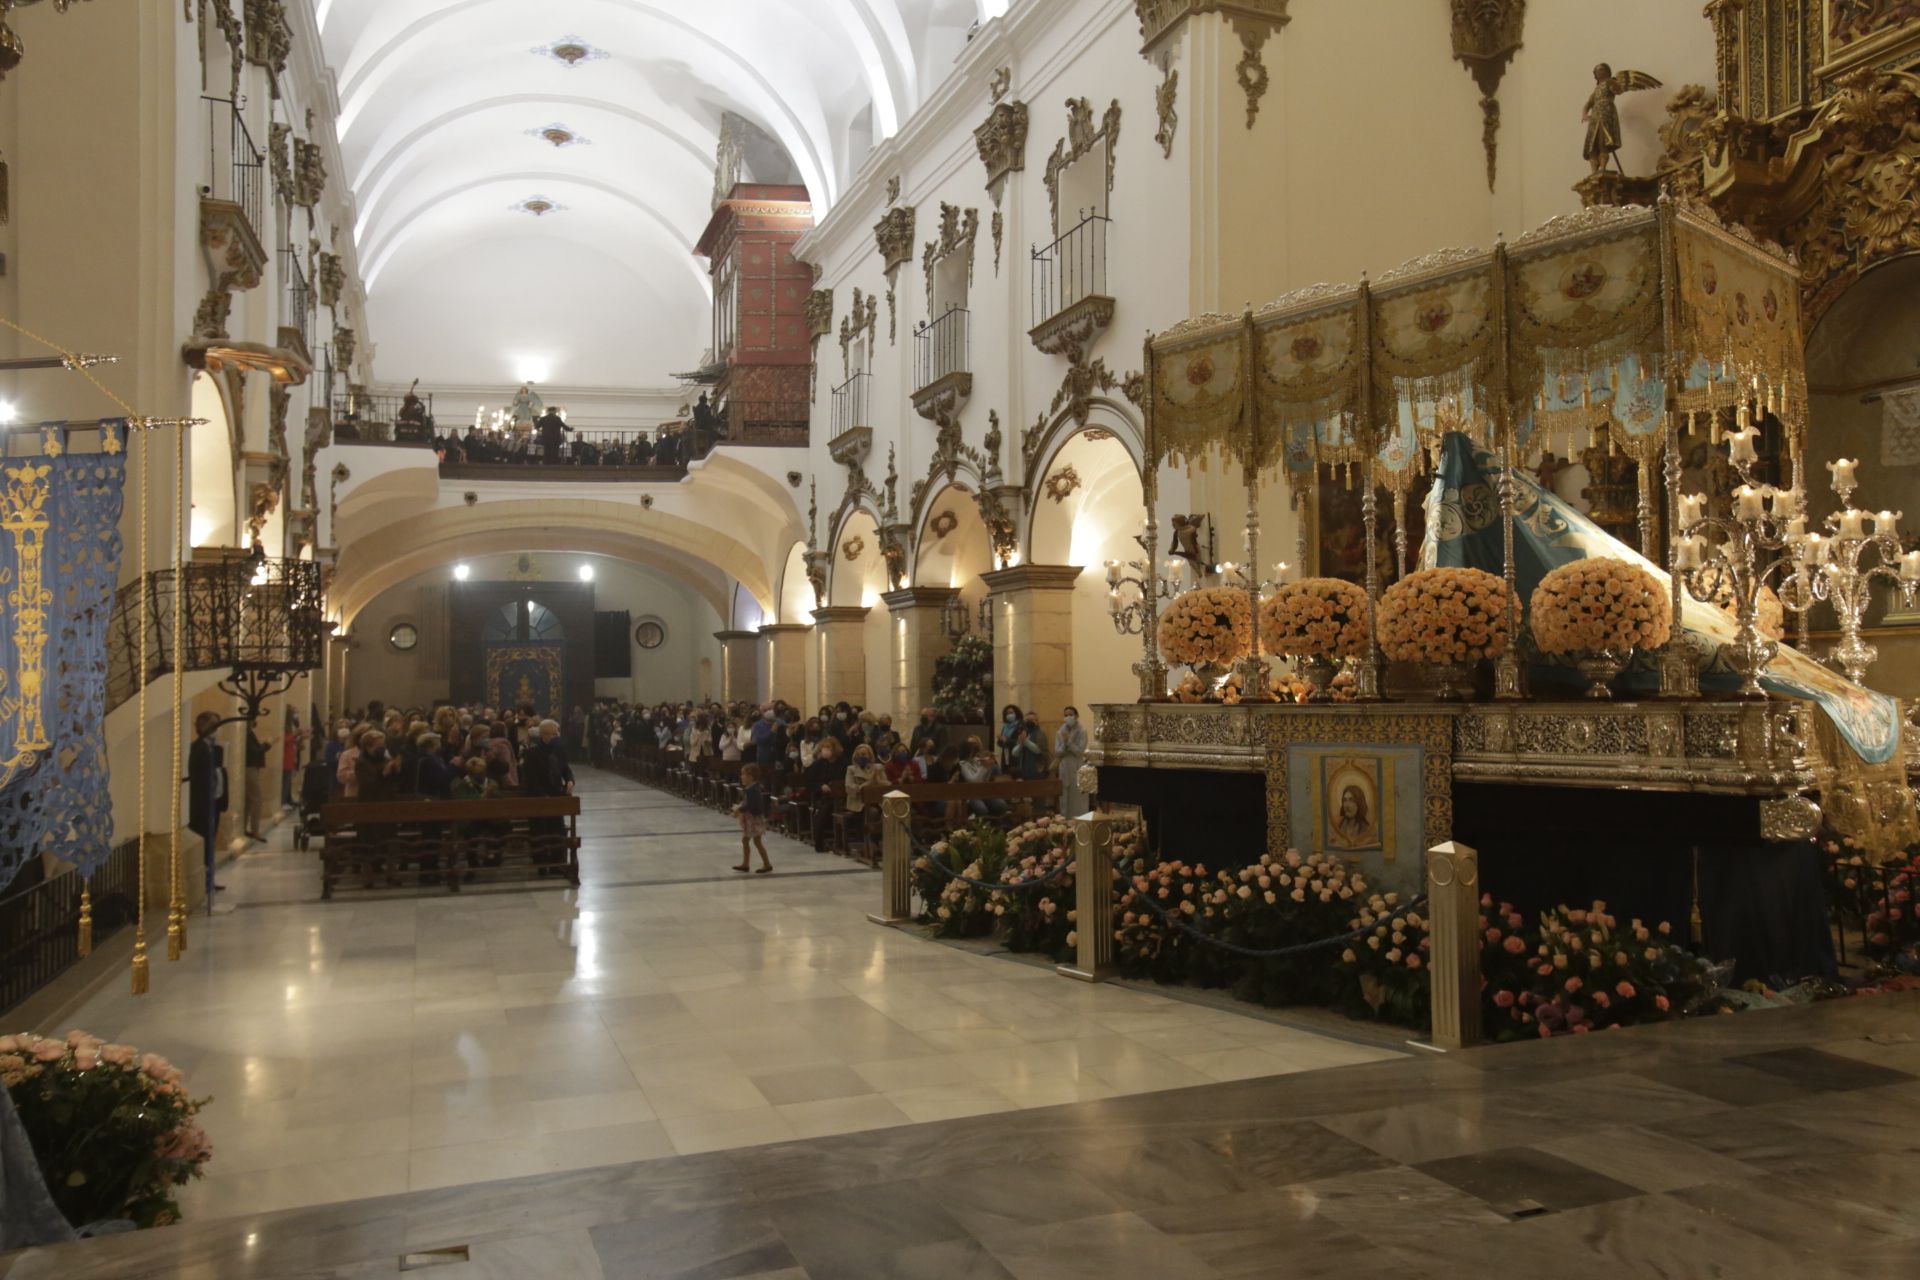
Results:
[571, 50]
[559, 135]
[538, 206]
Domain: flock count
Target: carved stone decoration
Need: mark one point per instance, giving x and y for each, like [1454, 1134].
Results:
[279, 395]
[210, 319]
[1082, 137]
[319, 434]
[819, 313]
[1003, 531]
[958, 229]
[991, 446]
[1073, 400]
[1839, 191]
[235, 260]
[1251, 70]
[1002, 143]
[858, 323]
[309, 173]
[893, 314]
[1166, 104]
[339, 477]
[893, 550]
[279, 141]
[1061, 484]
[269, 38]
[345, 344]
[891, 511]
[1001, 84]
[263, 499]
[853, 548]
[1685, 139]
[1160, 20]
[333, 278]
[893, 191]
[943, 524]
[893, 236]
[1486, 35]
[999, 235]
[1072, 331]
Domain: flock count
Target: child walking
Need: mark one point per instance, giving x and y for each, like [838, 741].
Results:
[752, 812]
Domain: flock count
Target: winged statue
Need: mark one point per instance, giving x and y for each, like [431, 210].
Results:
[1603, 115]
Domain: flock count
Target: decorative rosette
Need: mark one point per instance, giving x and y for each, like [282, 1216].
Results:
[1315, 618]
[1600, 605]
[1207, 624]
[1444, 617]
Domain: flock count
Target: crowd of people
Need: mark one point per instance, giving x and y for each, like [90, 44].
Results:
[671, 446]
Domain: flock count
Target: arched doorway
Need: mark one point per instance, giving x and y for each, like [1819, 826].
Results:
[954, 550]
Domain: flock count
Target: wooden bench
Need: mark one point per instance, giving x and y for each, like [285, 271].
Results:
[450, 842]
[1024, 800]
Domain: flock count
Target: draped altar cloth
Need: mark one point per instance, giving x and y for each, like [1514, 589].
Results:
[59, 565]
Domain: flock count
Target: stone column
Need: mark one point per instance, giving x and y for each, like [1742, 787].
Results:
[739, 665]
[841, 632]
[787, 661]
[1033, 637]
[917, 638]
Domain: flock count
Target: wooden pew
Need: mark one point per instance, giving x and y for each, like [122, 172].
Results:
[450, 842]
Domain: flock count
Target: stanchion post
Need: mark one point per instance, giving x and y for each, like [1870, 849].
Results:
[896, 854]
[1093, 912]
[1453, 918]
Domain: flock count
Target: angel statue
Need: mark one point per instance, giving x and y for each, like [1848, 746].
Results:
[1603, 117]
[1186, 543]
[526, 406]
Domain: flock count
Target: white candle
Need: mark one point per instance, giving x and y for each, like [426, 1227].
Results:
[1796, 528]
[1686, 552]
[1692, 507]
[1853, 524]
[1888, 522]
[1113, 573]
[1740, 446]
[1910, 567]
[1842, 469]
[1816, 549]
[1749, 503]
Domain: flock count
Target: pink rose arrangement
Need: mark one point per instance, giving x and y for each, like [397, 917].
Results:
[1600, 604]
[1315, 618]
[1444, 617]
[1207, 624]
[114, 1130]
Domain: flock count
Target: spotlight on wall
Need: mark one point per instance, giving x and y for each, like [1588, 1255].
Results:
[7, 413]
[462, 572]
[586, 573]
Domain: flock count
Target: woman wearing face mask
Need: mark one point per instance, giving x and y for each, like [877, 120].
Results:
[900, 766]
[1029, 750]
[1070, 749]
[1010, 721]
[861, 774]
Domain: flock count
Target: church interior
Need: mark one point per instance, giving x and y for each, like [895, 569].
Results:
[817, 639]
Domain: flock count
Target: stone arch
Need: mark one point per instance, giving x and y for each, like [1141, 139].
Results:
[214, 520]
[851, 579]
[1087, 503]
[793, 594]
[959, 555]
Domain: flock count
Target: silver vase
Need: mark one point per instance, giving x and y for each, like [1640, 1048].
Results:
[1454, 681]
[1318, 672]
[1600, 668]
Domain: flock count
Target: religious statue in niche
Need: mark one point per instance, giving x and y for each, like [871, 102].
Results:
[1602, 114]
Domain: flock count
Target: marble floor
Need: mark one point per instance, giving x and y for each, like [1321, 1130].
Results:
[376, 1045]
[1778, 1144]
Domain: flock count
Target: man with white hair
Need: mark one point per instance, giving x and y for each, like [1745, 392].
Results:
[544, 770]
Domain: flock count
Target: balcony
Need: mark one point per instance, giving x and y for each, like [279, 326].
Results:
[850, 404]
[297, 309]
[231, 204]
[1071, 305]
[361, 417]
[943, 377]
[588, 455]
[765, 406]
[236, 169]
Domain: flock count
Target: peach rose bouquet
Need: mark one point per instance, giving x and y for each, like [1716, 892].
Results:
[1444, 617]
[1315, 618]
[1207, 625]
[1600, 605]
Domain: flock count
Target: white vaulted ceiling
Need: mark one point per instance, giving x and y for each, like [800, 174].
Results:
[441, 107]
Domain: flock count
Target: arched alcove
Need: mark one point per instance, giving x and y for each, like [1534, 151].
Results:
[1089, 508]
[952, 548]
[857, 579]
[213, 519]
[795, 604]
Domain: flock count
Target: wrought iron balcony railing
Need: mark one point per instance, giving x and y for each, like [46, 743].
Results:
[850, 404]
[236, 170]
[940, 349]
[1071, 269]
[298, 295]
[584, 454]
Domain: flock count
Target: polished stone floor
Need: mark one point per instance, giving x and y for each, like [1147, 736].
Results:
[376, 1045]
[1779, 1144]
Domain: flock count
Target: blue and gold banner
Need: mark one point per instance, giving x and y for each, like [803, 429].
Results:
[525, 675]
[59, 566]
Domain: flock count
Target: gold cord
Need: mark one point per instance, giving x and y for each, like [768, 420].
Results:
[140, 710]
[177, 898]
[73, 361]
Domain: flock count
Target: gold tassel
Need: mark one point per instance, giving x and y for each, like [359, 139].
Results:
[176, 931]
[86, 920]
[140, 963]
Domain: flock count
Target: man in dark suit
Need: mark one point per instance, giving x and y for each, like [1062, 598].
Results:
[551, 427]
[544, 771]
[206, 789]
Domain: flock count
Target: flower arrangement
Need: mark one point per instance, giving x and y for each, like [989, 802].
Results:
[1207, 625]
[1315, 618]
[953, 907]
[961, 680]
[113, 1128]
[1041, 918]
[1600, 604]
[1444, 616]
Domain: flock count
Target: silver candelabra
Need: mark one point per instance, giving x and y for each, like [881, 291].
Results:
[1836, 568]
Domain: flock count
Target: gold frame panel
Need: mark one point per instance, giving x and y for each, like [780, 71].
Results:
[1363, 727]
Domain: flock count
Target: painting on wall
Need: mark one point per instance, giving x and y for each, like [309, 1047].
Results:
[1353, 806]
[1851, 20]
[1342, 530]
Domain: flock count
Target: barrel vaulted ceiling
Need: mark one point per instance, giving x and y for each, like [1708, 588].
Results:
[531, 178]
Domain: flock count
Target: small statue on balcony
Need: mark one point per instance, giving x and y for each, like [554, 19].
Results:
[413, 414]
[1186, 544]
[526, 406]
[1603, 115]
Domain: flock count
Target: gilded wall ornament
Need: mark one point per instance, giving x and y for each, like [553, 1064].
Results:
[332, 276]
[1685, 141]
[942, 524]
[1082, 137]
[1161, 20]
[1002, 144]
[819, 313]
[345, 344]
[279, 143]
[853, 548]
[1486, 35]
[269, 38]
[958, 229]
[893, 190]
[893, 236]
[309, 173]
[1251, 70]
[1000, 85]
[558, 136]
[537, 205]
[856, 325]
[1061, 483]
[570, 51]
[1165, 102]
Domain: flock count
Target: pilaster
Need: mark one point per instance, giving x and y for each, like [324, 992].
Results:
[786, 657]
[918, 638]
[839, 633]
[1033, 636]
[739, 665]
